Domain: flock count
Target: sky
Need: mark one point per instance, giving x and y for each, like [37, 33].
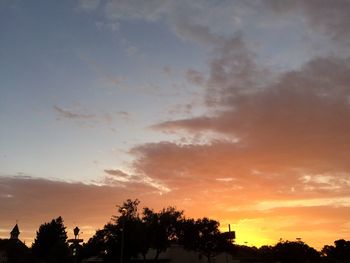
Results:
[230, 109]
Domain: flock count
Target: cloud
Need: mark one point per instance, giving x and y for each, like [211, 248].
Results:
[188, 20]
[133, 9]
[202, 168]
[330, 17]
[33, 201]
[122, 177]
[118, 175]
[89, 5]
[92, 120]
[237, 184]
[83, 120]
[168, 71]
[68, 114]
[102, 25]
[209, 22]
[289, 142]
[198, 33]
[300, 115]
[109, 118]
[194, 77]
[124, 115]
[111, 80]
[132, 51]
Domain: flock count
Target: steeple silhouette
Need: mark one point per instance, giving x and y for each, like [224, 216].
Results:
[15, 232]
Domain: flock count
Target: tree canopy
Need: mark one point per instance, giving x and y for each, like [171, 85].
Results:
[50, 243]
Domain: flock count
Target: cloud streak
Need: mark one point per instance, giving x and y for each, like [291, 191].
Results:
[328, 17]
[210, 23]
[89, 120]
[34, 201]
[68, 114]
[122, 177]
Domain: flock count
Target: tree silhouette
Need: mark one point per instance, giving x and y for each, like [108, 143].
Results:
[290, 252]
[50, 243]
[266, 253]
[161, 228]
[124, 236]
[340, 252]
[135, 234]
[203, 235]
[132, 230]
[104, 243]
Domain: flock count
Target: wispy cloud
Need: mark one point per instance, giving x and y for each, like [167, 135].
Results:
[84, 119]
[68, 114]
[89, 5]
[122, 177]
[110, 78]
[40, 200]
[328, 17]
[207, 23]
[124, 115]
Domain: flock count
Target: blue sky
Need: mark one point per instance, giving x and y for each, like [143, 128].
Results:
[57, 55]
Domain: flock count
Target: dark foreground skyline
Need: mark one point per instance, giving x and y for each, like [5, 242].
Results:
[158, 236]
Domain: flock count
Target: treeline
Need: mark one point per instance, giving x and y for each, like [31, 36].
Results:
[133, 234]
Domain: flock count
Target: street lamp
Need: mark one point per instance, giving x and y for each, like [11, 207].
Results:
[76, 232]
[75, 243]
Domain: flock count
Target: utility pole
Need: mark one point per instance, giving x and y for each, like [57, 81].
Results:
[124, 210]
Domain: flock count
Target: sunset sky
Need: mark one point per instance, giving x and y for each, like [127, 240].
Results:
[234, 110]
